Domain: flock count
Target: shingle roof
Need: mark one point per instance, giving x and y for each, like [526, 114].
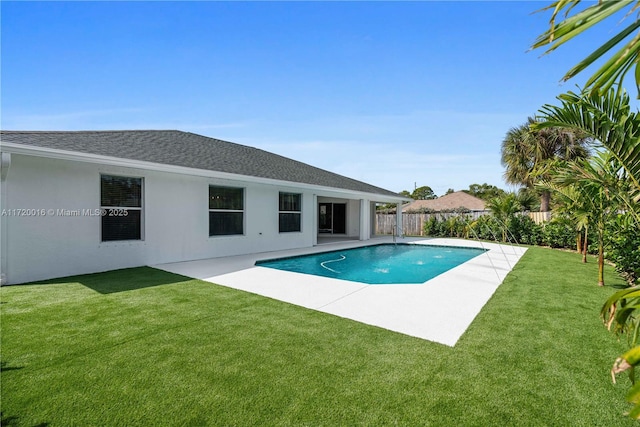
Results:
[451, 201]
[172, 147]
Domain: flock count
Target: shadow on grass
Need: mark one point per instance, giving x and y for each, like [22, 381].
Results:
[619, 286]
[15, 421]
[123, 280]
[4, 368]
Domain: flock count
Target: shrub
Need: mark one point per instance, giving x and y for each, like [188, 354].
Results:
[559, 233]
[431, 227]
[454, 226]
[485, 228]
[524, 230]
[622, 246]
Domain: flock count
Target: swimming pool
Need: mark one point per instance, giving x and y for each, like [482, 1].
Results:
[379, 264]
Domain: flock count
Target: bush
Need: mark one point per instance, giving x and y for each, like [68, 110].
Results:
[485, 228]
[520, 229]
[622, 246]
[431, 227]
[454, 226]
[524, 230]
[559, 233]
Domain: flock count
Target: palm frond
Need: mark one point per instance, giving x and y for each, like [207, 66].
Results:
[620, 62]
[608, 119]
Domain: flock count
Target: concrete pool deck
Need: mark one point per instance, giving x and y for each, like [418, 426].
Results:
[439, 310]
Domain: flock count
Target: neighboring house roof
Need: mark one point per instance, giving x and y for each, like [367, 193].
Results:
[185, 149]
[448, 202]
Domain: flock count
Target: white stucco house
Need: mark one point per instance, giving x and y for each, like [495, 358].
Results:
[90, 201]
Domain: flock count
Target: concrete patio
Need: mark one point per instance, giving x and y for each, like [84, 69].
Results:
[438, 310]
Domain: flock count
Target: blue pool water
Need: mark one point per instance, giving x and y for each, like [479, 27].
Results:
[379, 264]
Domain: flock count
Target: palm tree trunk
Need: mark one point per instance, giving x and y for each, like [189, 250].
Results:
[601, 255]
[584, 250]
[579, 242]
[545, 197]
[600, 267]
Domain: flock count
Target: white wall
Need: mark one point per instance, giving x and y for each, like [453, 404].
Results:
[176, 224]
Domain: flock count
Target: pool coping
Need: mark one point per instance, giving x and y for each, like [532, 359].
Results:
[439, 310]
[281, 258]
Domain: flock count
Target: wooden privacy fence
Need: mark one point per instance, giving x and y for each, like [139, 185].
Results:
[540, 217]
[413, 223]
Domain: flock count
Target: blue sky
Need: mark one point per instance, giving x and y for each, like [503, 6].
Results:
[391, 93]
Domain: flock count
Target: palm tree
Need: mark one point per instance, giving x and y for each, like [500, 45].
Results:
[503, 209]
[620, 62]
[528, 199]
[607, 118]
[577, 206]
[596, 187]
[527, 153]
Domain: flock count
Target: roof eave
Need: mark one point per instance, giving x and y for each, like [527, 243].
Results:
[53, 153]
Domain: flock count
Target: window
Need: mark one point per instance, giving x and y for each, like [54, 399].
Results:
[121, 204]
[290, 212]
[226, 211]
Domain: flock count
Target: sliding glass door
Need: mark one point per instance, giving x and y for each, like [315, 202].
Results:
[332, 218]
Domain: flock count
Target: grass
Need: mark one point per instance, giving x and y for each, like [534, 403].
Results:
[145, 347]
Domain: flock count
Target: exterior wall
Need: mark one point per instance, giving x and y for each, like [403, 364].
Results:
[175, 219]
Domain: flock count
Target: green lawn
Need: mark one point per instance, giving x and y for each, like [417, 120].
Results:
[144, 347]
